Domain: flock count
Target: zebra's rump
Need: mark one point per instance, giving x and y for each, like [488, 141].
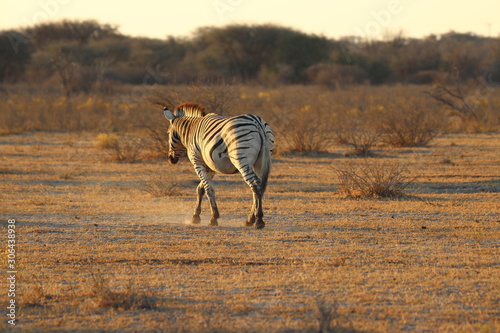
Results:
[224, 140]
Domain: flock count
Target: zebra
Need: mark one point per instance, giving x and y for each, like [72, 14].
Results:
[226, 145]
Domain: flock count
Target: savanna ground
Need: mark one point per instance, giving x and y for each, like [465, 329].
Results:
[98, 252]
[104, 245]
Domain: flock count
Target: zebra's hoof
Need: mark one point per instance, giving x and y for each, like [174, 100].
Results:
[196, 219]
[248, 224]
[213, 223]
[260, 225]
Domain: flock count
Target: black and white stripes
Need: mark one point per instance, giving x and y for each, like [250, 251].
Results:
[217, 144]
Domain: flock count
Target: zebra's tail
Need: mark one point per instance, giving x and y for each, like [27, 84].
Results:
[266, 162]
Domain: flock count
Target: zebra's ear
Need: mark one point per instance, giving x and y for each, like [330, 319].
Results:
[168, 114]
[179, 113]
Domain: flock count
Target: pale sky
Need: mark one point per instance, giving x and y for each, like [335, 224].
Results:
[334, 18]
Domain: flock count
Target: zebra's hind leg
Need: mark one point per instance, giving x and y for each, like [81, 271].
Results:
[256, 214]
[254, 182]
[259, 223]
[200, 190]
[251, 218]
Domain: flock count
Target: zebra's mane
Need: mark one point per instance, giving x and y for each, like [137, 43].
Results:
[191, 109]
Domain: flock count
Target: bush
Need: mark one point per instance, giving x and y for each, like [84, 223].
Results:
[121, 149]
[361, 141]
[306, 134]
[159, 140]
[217, 97]
[161, 185]
[107, 141]
[301, 118]
[408, 125]
[355, 128]
[371, 179]
[308, 138]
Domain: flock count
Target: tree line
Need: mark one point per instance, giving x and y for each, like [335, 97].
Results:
[86, 55]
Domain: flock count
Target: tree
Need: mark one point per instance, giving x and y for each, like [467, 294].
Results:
[463, 52]
[299, 51]
[379, 71]
[76, 31]
[246, 48]
[82, 67]
[15, 54]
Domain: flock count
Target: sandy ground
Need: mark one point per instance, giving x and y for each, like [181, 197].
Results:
[97, 252]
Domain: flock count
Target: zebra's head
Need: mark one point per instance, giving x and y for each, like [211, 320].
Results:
[184, 111]
[175, 146]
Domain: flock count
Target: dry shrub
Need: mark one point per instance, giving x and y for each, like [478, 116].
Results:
[159, 141]
[408, 125]
[107, 140]
[121, 149]
[361, 141]
[308, 136]
[218, 96]
[372, 179]
[162, 186]
[128, 299]
[128, 150]
[301, 120]
[326, 312]
[355, 128]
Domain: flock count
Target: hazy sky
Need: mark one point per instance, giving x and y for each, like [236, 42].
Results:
[334, 18]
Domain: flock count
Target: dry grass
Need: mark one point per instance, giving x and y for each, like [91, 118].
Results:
[302, 116]
[98, 253]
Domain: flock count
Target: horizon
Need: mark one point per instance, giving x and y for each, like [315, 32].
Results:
[366, 19]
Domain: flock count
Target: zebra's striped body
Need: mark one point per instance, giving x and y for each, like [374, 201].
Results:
[217, 144]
